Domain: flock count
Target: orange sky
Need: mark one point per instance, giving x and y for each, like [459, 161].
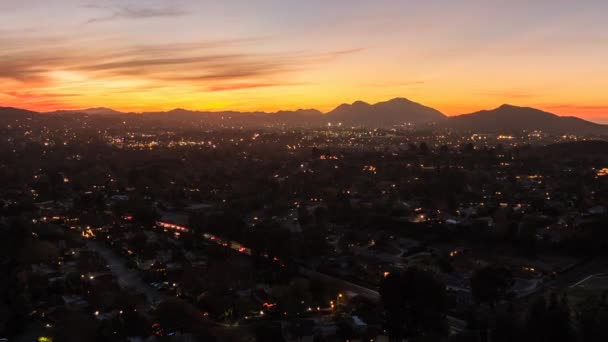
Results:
[457, 57]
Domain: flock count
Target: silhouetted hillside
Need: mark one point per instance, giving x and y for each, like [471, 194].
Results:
[399, 111]
[11, 113]
[394, 112]
[508, 118]
[89, 111]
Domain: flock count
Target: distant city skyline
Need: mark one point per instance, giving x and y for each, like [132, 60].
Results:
[457, 57]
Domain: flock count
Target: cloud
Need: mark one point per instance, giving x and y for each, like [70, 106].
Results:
[413, 83]
[135, 63]
[345, 52]
[509, 94]
[32, 69]
[203, 67]
[594, 112]
[36, 95]
[35, 99]
[130, 12]
[242, 86]
[576, 108]
[39, 62]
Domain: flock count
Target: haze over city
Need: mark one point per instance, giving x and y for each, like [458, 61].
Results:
[457, 57]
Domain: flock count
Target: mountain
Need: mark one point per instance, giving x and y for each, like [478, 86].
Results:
[17, 112]
[299, 113]
[100, 111]
[399, 111]
[88, 111]
[508, 118]
[393, 112]
[12, 114]
[296, 118]
[300, 117]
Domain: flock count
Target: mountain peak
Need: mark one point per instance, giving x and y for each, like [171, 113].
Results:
[399, 100]
[509, 118]
[97, 108]
[360, 104]
[507, 106]
[397, 111]
[100, 111]
[518, 109]
[88, 111]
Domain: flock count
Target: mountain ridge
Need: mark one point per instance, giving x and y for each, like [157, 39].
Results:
[508, 117]
[390, 113]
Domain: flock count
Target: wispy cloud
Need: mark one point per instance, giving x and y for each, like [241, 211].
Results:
[576, 108]
[242, 86]
[508, 94]
[32, 94]
[37, 99]
[132, 12]
[38, 63]
[397, 84]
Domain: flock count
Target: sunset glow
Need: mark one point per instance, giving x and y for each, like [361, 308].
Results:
[456, 56]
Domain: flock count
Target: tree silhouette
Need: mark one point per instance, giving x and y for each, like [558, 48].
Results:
[592, 317]
[549, 321]
[491, 284]
[414, 303]
[424, 148]
[175, 315]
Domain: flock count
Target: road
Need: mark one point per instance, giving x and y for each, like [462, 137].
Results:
[362, 291]
[127, 278]
[456, 325]
[581, 283]
[570, 278]
[586, 269]
[130, 278]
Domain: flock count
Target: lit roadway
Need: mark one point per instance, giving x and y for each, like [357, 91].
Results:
[127, 278]
[130, 278]
[572, 277]
[456, 325]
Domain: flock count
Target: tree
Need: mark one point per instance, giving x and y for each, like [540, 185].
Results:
[177, 315]
[469, 148]
[39, 251]
[290, 296]
[143, 212]
[414, 304]
[549, 321]
[268, 332]
[423, 149]
[507, 327]
[592, 317]
[76, 327]
[491, 284]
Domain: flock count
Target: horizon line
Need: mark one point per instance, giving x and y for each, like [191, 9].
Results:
[118, 111]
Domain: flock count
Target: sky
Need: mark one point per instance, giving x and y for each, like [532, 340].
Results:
[456, 56]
